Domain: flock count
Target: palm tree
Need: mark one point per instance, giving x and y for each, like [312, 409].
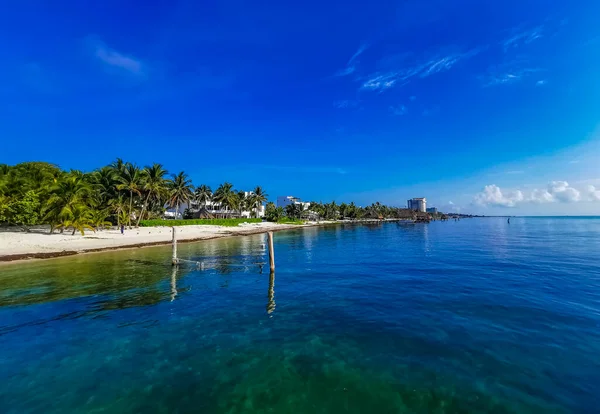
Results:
[79, 218]
[242, 202]
[180, 191]
[258, 197]
[203, 194]
[294, 211]
[118, 166]
[155, 186]
[225, 195]
[70, 193]
[118, 206]
[131, 180]
[105, 183]
[98, 219]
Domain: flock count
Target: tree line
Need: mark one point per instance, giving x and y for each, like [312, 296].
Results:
[343, 211]
[121, 193]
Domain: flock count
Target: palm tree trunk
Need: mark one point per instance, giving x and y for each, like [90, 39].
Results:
[142, 213]
[130, 207]
[176, 210]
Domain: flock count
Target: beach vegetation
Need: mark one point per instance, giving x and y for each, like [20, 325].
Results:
[122, 193]
[230, 222]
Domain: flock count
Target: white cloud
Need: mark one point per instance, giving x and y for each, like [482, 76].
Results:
[593, 193]
[114, 59]
[507, 75]
[493, 196]
[380, 82]
[384, 80]
[440, 65]
[541, 82]
[346, 71]
[360, 50]
[351, 66]
[541, 196]
[556, 192]
[519, 38]
[561, 191]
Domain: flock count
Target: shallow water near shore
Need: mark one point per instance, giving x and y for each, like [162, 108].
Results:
[470, 316]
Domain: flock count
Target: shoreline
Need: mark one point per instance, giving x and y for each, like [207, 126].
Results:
[40, 246]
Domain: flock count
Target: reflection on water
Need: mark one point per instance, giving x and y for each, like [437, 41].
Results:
[378, 318]
[271, 293]
[174, 283]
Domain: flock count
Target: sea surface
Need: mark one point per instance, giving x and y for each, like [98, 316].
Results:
[469, 316]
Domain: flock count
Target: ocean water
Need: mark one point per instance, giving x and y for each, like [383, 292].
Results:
[473, 316]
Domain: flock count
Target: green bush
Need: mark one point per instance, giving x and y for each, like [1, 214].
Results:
[212, 222]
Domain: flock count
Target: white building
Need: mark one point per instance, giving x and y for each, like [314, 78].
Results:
[214, 209]
[284, 201]
[418, 204]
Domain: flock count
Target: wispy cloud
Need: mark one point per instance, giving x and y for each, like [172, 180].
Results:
[440, 65]
[360, 50]
[507, 74]
[114, 59]
[515, 172]
[399, 110]
[541, 82]
[519, 37]
[381, 81]
[352, 63]
[345, 104]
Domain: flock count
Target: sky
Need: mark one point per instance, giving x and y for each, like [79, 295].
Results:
[482, 107]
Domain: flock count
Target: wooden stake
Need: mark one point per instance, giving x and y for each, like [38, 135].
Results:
[174, 260]
[271, 251]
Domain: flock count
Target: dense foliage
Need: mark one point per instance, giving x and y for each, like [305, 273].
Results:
[214, 222]
[343, 211]
[121, 193]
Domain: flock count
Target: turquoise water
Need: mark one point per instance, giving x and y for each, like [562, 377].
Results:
[455, 317]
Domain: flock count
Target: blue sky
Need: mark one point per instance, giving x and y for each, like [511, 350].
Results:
[484, 107]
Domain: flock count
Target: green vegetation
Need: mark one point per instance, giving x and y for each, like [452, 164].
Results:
[273, 213]
[214, 222]
[122, 193]
[287, 220]
[34, 193]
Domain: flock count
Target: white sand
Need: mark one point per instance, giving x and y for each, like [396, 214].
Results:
[21, 243]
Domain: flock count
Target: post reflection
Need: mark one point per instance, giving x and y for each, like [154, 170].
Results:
[271, 294]
[174, 283]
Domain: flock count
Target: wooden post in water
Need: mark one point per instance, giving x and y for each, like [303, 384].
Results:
[174, 260]
[271, 251]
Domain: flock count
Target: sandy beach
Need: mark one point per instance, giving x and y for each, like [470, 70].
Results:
[39, 245]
